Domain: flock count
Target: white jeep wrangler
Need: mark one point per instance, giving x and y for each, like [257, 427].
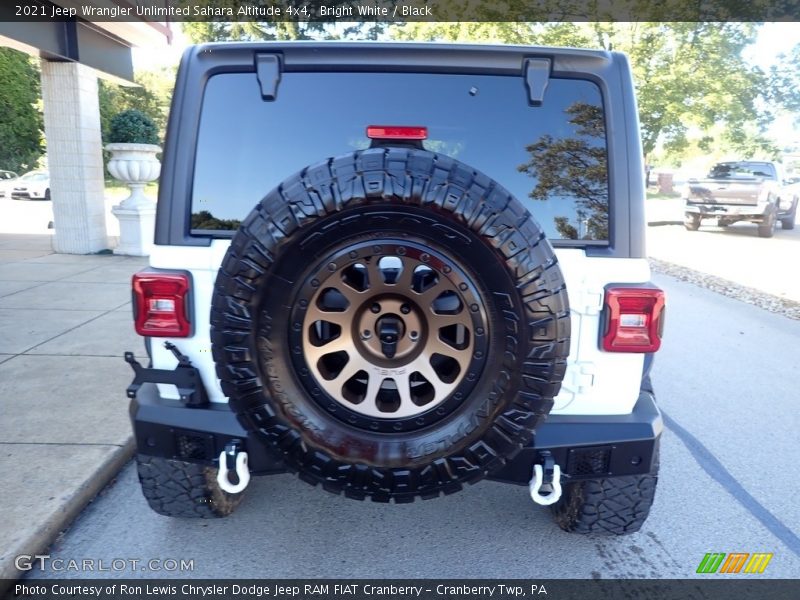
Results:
[394, 269]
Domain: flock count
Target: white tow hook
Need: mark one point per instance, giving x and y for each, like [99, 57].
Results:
[231, 459]
[548, 477]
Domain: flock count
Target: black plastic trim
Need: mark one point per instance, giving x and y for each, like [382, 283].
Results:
[184, 377]
[268, 71]
[537, 76]
[632, 439]
[157, 423]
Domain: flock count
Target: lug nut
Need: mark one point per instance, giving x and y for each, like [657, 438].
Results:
[413, 335]
[366, 334]
[376, 308]
[405, 309]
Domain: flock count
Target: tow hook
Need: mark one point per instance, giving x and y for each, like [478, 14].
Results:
[547, 479]
[233, 460]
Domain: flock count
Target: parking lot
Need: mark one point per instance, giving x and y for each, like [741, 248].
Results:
[735, 253]
[36, 216]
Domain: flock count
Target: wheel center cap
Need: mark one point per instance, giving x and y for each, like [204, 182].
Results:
[389, 329]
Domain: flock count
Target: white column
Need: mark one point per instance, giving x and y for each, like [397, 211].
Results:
[74, 156]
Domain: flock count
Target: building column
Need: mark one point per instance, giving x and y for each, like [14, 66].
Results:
[74, 157]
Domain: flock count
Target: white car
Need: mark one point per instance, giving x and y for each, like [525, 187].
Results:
[34, 185]
[7, 181]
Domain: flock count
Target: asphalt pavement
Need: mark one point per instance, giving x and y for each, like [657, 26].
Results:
[727, 381]
[734, 253]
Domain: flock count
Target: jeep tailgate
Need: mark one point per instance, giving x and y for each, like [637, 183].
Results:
[739, 192]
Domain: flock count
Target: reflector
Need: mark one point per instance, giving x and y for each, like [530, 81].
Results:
[396, 132]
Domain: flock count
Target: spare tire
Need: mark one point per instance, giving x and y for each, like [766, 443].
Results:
[393, 322]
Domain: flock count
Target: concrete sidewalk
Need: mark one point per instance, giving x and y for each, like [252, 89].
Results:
[664, 211]
[65, 322]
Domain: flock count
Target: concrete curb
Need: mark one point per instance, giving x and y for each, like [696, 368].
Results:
[44, 533]
[661, 223]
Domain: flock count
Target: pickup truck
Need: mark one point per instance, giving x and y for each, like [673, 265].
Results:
[754, 191]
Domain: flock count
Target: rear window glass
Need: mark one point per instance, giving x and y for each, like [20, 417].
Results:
[551, 157]
[737, 170]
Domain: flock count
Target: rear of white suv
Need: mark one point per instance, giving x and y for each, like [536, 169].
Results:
[396, 269]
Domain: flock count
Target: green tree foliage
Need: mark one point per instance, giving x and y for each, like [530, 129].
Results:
[283, 28]
[785, 80]
[152, 97]
[205, 220]
[21, 121]
[690, 76]
[574, 167]
[132, 127]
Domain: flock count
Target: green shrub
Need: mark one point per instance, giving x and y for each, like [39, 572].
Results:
[132, 127]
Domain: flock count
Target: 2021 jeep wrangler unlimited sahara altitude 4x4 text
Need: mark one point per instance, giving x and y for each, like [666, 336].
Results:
[382, 266]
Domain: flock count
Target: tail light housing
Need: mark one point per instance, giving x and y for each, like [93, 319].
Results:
[634, 319]
[161, 303]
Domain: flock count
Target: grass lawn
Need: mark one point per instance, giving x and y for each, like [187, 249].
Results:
[119, 191]
[655, 195]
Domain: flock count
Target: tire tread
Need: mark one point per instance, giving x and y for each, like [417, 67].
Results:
[175, 488]
[449, 189]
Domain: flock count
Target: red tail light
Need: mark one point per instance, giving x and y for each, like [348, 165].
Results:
[160, 304]
[634, 319]
[396, 132]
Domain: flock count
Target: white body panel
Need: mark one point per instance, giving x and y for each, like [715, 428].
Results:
[596, 382]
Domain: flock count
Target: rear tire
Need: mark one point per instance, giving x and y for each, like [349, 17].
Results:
[317, 231]
[175, 488]
[692, 222]
[767, 228]
[787, 222]
[616, 506]
[612, 506]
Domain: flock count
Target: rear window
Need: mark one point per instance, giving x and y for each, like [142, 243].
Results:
[738, 170]
[552, 157]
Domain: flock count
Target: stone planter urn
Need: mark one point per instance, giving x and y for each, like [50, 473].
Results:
[135, 165]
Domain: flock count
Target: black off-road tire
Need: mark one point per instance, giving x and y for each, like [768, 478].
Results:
[175, 488]
[787, 222]
[609, 506]
[767, 228]
[434, 202]
[692, 222]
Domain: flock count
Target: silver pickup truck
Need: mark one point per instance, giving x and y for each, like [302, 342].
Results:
[754, 191]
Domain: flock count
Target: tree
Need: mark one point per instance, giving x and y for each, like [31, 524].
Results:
[21, 122]
[690, 76]
[575, 168]
[285, 28]
[205, 220]
[152, 97]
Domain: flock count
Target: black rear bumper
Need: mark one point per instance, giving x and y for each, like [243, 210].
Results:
[592, 446]
[585, 447]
